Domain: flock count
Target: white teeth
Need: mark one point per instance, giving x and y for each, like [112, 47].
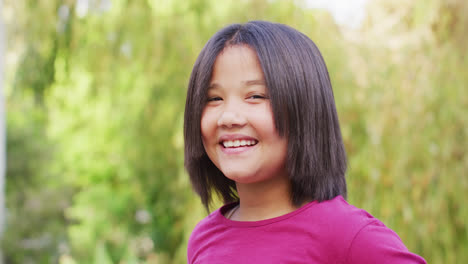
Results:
[238, 143]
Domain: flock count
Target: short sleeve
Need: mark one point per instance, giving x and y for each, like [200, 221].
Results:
[376, 243]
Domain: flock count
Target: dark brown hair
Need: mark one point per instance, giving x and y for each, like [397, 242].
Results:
[303, 107]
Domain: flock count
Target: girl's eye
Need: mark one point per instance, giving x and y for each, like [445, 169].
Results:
[257, 96]
[214, 98]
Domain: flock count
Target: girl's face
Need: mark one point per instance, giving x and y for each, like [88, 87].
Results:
[237, 123]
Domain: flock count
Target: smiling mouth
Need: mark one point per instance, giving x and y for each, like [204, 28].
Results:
[238, 143]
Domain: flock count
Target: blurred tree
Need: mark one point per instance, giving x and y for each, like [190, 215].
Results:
[2, 135]
[409, 149]
[33, 191]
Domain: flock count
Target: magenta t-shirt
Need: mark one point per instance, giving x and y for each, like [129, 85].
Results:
[328, 232]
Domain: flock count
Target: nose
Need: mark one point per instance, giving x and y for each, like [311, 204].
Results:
[231, 118]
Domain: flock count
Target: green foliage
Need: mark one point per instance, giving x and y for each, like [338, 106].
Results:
[409, 149]
[95, 107]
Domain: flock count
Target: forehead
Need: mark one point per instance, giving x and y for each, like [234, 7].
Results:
[238, 64]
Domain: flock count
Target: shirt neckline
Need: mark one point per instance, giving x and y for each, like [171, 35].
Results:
[229, 222]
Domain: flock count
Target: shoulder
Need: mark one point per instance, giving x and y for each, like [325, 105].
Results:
[203, 226]
[204, 233]
[376, 243]
[364, 238]
[341, 218]
[358, 236]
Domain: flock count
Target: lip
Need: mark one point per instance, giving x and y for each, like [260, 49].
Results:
[236, 150]
[230, 137]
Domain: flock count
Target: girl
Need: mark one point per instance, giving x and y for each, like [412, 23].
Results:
[261, 131]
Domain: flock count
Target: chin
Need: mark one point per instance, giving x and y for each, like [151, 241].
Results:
[240, 177]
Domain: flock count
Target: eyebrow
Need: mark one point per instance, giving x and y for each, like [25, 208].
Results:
[213, 86]
[254, 82]
[246, 83]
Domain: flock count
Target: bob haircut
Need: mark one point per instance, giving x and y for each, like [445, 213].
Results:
[303, 107]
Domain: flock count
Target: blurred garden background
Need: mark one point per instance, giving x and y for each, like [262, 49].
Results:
[94, 97]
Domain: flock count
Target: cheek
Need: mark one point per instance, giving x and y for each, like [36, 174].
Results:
[266, 123]
[206, 124]
[204, 131]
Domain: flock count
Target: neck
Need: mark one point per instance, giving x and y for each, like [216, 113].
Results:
[265, 200]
